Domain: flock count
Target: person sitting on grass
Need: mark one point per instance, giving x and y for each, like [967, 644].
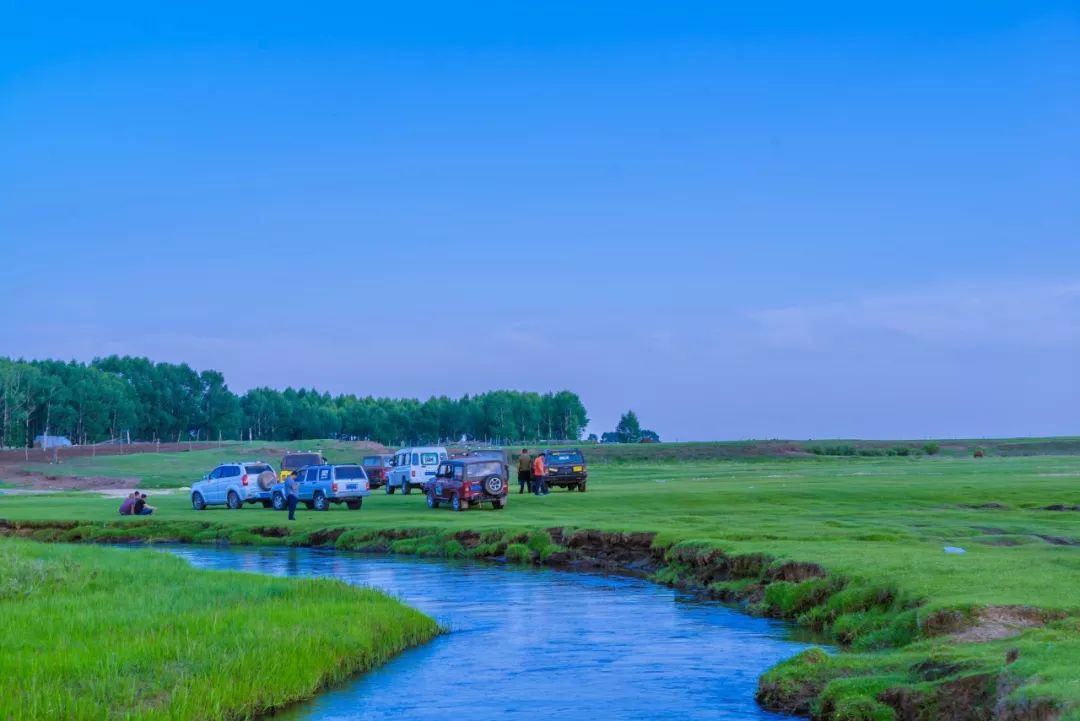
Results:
[125, 507]
[140, 507]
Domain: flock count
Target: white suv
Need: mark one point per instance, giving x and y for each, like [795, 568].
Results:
[233, 485]
[412, 467]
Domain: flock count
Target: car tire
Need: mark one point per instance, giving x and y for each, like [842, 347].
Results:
[355, 505]
[389, 489]
[406, 489]
[494, 485]
[499, 504]
[319, 502]
[456, 504]
[431, 502]
[233, 501]
[277, 501]
[581, 487]
[198, 502]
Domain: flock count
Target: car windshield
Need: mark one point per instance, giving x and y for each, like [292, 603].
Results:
[375, 461]
[298, 460]
[569, 457]
[488, 454]
[257, 468]
[429, 459]
[480, 470]
[349, 472]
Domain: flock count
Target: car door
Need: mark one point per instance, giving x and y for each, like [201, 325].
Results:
[402, 468]
[229, 480]
[457, 478]
[311, 480]
[210, 487]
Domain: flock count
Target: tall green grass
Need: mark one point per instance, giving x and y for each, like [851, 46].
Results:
[93, 633]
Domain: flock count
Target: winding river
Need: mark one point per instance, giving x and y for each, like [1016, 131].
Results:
[537, 644]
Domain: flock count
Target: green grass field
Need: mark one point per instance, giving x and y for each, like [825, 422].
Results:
[99, 633]
[884, 522]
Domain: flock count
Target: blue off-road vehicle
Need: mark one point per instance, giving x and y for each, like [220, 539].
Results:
[322, 485]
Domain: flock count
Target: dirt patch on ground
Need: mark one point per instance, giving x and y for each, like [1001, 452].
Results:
[49, 482]
[984, 506]
[1061, 507]
[997, 622]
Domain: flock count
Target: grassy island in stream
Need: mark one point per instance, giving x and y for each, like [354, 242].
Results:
[852, 547]
[100, 633]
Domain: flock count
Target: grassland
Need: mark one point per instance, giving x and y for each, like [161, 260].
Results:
[914, 617]
[96, 633]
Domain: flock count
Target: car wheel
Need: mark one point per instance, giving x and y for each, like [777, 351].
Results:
[278, 502]
[234, 501]
[198, 502]
[431, 502]
[389, 489]
[355, 505]
[320, 503]
[494, 485]
[499, 504]
[406, 489]
[455, 503]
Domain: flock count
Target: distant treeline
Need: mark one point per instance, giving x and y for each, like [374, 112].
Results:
[121, 397]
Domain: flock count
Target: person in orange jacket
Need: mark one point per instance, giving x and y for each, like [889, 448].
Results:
[539, 484]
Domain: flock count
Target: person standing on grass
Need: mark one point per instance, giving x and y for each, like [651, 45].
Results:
[539, 485]
[292, 491]
[524, 471]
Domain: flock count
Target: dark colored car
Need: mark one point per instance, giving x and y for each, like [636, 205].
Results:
[566, 469]
[377, 468]
[464, 482]
[293, 462]
[493, 454]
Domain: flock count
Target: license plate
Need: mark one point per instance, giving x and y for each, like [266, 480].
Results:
[475, 488]
[351, 487]
[578, 469]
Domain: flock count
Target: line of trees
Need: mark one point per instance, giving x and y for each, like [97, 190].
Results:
[121, 397]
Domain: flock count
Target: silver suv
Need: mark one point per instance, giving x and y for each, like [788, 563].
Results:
[234, 484]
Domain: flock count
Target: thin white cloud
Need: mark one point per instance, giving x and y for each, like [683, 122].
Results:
[969, 314]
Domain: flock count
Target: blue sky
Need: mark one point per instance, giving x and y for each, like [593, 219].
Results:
[741, 220]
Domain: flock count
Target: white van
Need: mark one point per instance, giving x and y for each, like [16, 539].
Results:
[413, 466]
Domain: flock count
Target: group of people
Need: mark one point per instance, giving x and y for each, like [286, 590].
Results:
[135, 505]
[531, 474]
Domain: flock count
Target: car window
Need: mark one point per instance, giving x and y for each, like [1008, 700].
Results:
[428, 459]
[569, 457]
[416, 459]
[349, 472]
[459, 472]
[324, 474]
[216, 473]
[257, 468]
[230, 471]
[372, 461]
[480, 470]
[312, 474]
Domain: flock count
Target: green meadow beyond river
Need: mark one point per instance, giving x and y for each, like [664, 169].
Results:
[536, 644]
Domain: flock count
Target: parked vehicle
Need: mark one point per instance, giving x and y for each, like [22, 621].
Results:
[566, 469]
[325, 484]
[464, 482]
[492, 454]
[413, 466]
[233, 485]
[292, 462]
[377, 469]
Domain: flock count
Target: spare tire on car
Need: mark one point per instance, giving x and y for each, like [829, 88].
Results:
[494, 485]
[266, 480]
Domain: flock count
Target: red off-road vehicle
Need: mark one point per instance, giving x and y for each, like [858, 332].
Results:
[464, 482]
[377, 468]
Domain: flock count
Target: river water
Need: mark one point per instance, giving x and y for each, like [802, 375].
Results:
[537, 644]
